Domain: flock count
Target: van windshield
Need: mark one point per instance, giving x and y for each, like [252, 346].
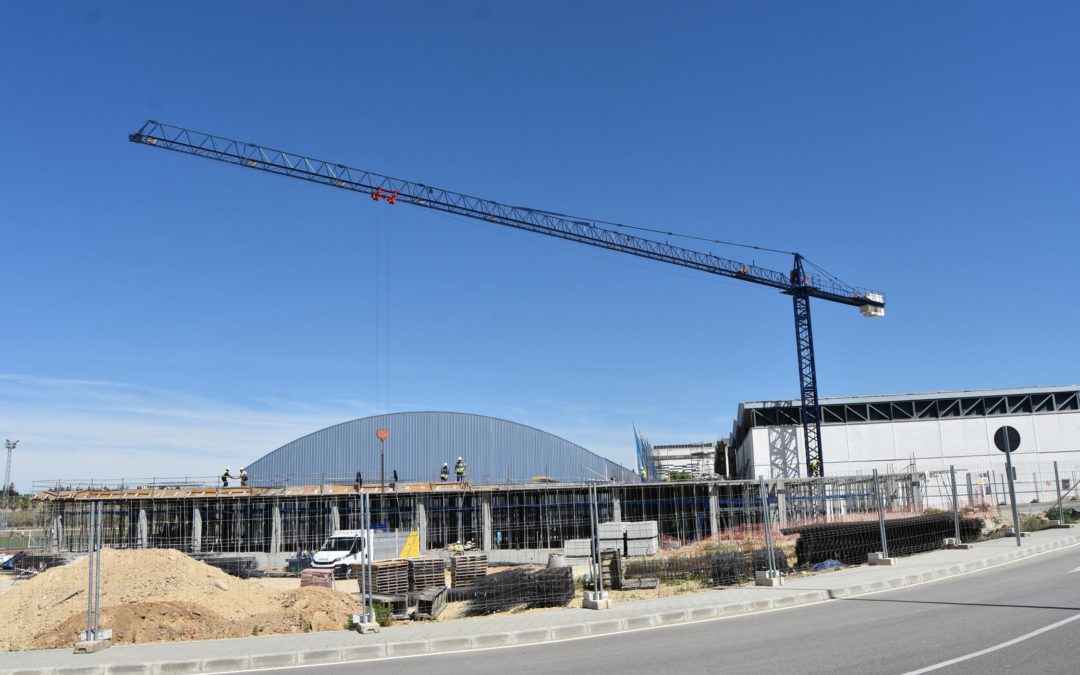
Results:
[338, 544]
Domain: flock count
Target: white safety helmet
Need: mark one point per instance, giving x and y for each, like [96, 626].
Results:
[459, 459]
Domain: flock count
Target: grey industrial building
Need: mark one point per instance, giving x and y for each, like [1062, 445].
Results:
[496, 451]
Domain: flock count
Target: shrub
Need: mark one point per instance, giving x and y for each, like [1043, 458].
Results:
[384, 614]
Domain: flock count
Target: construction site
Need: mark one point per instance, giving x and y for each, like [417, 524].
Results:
[373, 521]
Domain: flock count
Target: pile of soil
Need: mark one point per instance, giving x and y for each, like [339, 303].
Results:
[151, 595]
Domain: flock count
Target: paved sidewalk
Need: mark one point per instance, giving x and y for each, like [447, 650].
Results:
[421, 638]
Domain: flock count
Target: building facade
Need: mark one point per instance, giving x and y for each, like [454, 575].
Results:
[924, 432]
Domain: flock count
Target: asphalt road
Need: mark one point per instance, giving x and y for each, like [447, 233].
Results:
[892, 632]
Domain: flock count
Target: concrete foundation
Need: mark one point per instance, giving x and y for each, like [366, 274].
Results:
[768, 578]
[594, 600]
[878, 559]
[91, 646]
[952, 542]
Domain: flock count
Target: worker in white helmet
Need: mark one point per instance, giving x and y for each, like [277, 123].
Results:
[459, 469]
[243, 477]
[225, 476]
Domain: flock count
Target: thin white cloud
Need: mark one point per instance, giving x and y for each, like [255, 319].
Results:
[75, 428]
[72, 428]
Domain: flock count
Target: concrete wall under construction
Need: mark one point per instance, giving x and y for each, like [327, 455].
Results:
[513, 523]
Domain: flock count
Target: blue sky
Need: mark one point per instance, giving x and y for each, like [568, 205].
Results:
[165, 315]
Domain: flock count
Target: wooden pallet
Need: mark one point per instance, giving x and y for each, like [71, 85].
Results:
[390, 576]
[466, 569]
[426, 573]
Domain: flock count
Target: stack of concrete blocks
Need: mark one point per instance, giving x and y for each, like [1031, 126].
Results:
[629, 539]
[314, 577]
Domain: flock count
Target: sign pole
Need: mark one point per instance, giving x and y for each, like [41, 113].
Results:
[1012, 488]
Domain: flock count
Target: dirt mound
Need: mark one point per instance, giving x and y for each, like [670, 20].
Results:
[144, 622]
[154, 595]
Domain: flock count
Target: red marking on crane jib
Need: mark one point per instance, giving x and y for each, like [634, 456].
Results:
[390, 196]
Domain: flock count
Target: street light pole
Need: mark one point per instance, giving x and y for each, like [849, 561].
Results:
[10, 445]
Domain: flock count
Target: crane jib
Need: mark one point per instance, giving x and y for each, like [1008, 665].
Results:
[799, 284]
[393, 190]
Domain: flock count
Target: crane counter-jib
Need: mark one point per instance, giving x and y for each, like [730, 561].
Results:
[800, 283]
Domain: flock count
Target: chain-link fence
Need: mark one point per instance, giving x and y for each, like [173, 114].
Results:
[187, 559]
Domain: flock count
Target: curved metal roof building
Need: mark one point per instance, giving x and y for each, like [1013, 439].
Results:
[494, 450]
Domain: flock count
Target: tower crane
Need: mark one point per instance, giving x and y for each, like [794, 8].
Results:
[799, 283]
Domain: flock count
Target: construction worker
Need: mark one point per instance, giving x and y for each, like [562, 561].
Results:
[359, 482]
[459, 469]
[643, 476]
[444, 473]
[225, 477]
[243, 477]
[815, 467]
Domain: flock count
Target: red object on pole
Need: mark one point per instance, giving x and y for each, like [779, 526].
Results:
[382, 435]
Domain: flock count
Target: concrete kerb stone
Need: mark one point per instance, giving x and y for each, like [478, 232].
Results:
[278, 660]
[129, 669]
[573, 630]
[177, 667]
[491, 639]
[666, 618]
[785, 601]
[79, 670]
[410, 648]
[758, 606]
[639, 622]
[604, 627]
[319, 656]
[734, 609]
[532, 636]
[703, 613]
[451, 644]
[363, 652]
[30, 672]
[223, 664]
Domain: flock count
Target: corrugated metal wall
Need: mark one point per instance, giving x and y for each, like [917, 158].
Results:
[495, 450]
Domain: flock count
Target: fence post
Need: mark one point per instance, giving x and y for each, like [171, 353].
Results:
[1057, 485]
[598, 598]
[956, 504]
[97, 574]
[1035, 480]
[366, 583]
[771, 577]
[881, 558]
[90, 572]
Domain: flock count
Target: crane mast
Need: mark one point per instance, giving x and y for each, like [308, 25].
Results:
[800, 285]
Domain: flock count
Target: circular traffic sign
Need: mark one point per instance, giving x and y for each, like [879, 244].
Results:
[1007, 439]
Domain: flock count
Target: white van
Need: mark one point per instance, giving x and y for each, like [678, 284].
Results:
[342, 549]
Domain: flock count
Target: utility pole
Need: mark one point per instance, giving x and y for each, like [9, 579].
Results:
[10, 445]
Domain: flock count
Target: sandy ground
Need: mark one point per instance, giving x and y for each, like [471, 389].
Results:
[151, 595]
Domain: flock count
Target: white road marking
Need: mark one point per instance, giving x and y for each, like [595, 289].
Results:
[995, 648]
[1075, 570]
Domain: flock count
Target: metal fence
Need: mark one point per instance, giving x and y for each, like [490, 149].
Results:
[217, 562]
